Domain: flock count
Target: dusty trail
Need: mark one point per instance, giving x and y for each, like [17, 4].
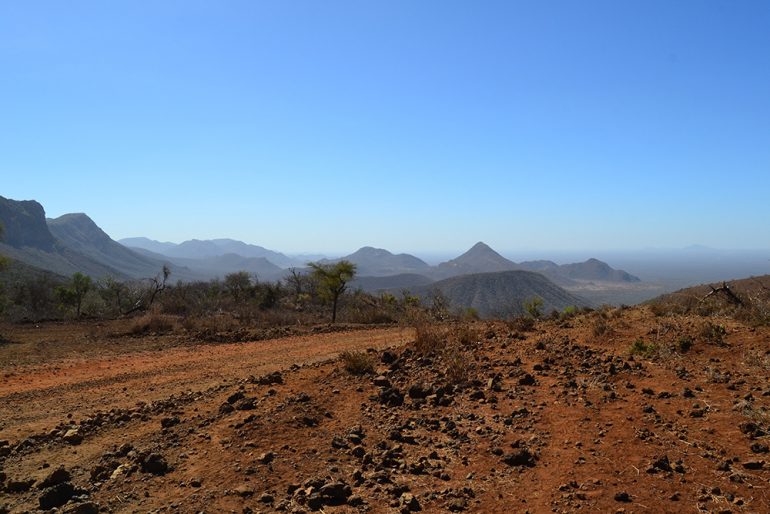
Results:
[36, 398]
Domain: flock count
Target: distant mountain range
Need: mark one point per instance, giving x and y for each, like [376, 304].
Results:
[479, 278]
[198, 249]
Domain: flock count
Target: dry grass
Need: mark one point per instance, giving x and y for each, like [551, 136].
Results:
[429, 338]
[602, 327]
[713, 333]
[457, 366]
[152, 323]
[521, 324]
[757, 359]
[357, 363]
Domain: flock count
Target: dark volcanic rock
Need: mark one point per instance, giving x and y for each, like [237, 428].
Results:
[391, 397]
[154, 463]
[56, 496]
[56, 477]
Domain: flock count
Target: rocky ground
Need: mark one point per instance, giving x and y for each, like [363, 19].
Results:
[611, 411]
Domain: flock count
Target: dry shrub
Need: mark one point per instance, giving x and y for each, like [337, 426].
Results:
[684, 344]
[713, 333]
[465, 334]
[757, 359]
[602, 327]
[457, 367]
[521, 324]
[429, 338]
[357, 363]
[152, 323]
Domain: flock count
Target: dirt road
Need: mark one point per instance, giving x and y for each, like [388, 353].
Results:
[36, 398]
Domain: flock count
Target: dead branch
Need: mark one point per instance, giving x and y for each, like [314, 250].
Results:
[157, 285]
[726, 291]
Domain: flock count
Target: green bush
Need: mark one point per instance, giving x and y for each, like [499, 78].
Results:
[639, 347]
[534, 307]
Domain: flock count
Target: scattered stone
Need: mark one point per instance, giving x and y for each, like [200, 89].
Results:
[73, 436]
[457, 505]
[391, 397]
[335, 493]
[274, 378]
[246, 404]
[244, 491]
[381, 381]
[58, 476]
[622, 496]
[660, 464]
[56, 496]
[266, 458]
[82, 508]
[419, 390]
[527, 380]
[409, 503]
[169, 421]
[19, 486]
[155, 464]
[520, 457]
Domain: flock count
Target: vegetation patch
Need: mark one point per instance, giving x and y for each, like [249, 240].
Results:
[429, 338]
[713, 333]
[152, 323]
[357, 363]
[642, 349]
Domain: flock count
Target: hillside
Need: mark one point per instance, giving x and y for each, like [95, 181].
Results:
[392, 283]
[80, 234]
[748, 298]
[592, 270]
[501, 294]
[28, 239]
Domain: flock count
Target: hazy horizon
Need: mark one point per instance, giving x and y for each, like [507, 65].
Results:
[417, 127]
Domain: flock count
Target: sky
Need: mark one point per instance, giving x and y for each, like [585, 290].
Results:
[309, 126]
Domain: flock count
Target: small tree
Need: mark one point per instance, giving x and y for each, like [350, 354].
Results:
[239, 285]
[73, 294]
[332, 280]
[534, 307]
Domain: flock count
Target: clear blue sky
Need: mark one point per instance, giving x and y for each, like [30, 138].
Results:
[414, 125]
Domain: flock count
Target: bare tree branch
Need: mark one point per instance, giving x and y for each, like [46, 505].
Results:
[726, 291]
